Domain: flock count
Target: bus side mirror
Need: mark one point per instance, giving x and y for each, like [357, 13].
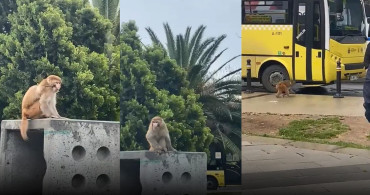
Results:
[339, 6]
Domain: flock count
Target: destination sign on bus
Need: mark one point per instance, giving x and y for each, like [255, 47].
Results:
[256, 19]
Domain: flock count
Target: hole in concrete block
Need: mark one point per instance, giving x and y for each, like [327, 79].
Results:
[185, 177]
[102, 180]
[103, 153]
[78, 153]
[130, 176]
[78, 181]
[24, 162]
[166, 177]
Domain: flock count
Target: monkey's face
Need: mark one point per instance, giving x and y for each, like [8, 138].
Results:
[156, 124]
[55, 82]
[56, 86]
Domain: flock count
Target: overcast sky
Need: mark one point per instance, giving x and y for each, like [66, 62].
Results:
[220, 17]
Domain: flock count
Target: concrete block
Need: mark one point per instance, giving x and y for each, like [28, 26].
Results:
[169, 173]
[61, 157]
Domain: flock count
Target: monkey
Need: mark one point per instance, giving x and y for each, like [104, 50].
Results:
[284, 87]
[158, 136]
[39, 101]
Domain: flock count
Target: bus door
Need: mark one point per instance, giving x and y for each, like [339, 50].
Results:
[308, 39]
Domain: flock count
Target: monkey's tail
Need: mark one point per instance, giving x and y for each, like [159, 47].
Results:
[24, 127]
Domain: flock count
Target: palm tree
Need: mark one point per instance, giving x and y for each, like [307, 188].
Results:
[110, 10]
[220, 95]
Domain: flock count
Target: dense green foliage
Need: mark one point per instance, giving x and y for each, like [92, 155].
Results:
[6, 7]
[110, 10]
[154, 85]
[67, 38]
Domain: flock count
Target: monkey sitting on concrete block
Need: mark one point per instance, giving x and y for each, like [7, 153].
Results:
[158, 136]
[40, 102]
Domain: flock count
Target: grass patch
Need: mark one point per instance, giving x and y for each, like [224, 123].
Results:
[322, 141]
[350, 145]
[309, 129]
[341, 144]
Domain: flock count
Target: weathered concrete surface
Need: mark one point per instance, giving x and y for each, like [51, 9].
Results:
[169, 173]
[303, 104]
[81, 156]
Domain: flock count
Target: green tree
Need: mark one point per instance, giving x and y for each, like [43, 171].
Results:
[42, 41]
[141, 99]
[110, 10]
[220, 95]
[6, 7]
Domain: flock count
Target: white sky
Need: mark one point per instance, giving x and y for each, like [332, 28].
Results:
[220, 17]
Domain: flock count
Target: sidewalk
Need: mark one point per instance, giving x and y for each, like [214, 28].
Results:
[277, 166]
[302, 104]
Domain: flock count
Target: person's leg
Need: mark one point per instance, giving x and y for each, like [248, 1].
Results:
[366, 94]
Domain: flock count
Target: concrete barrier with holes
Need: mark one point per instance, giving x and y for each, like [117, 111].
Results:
[170, 173]
[61, 157]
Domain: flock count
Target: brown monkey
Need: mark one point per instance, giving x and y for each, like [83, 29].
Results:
[40, 102]
[158, 136]
[284, 87]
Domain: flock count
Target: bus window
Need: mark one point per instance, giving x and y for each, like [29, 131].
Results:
[301, 27]
[267, 12]
[316, 23]
[348, 22]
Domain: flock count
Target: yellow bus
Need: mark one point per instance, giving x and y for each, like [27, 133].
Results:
[302, 40]
[223, 170]
[215, 179]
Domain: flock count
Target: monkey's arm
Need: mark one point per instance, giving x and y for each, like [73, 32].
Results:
[45, 107]
[53, 105]
[153, 142]
[168, 143]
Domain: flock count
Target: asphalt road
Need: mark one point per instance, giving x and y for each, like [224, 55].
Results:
[277, 166]
[349, 88]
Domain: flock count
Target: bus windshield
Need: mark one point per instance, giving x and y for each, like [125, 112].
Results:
[346, 20]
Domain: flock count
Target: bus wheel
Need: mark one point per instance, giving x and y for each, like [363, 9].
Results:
[212, 183]
[272, 75]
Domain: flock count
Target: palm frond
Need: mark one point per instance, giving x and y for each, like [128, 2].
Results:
[210, 51]
[221, 67]
[212, 103]
[229, 74]
[186, 49]
[232, 130]
[154, 38]
[170, 41]
[193, 74]
[199, 51]
[230, 88]
[179, 46]
[205, 70]
[227, 143]
[194, 45]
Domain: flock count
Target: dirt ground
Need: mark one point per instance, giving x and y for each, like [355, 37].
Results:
[269, 124]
